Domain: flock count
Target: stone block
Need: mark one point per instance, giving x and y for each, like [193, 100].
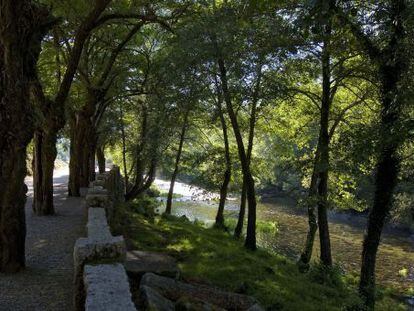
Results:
[150, 299]
[99, 200]
[138, 263]
[98, 228]
[101, 176]
[97, 183]
[107, 288]
[97, 190]
[174, 290]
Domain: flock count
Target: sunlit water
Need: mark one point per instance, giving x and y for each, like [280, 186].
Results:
[395, 263]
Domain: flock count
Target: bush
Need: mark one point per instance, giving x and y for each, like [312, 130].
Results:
[330, 276]
[144, 205]
[154, 191]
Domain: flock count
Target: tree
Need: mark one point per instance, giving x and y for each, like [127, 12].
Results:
[53, 116]
[392, 64]
[23, 24]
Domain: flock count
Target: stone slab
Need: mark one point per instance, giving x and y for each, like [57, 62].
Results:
[138, 263]
[98, 200]
[98, 228]
[150, 299]
[174, 290]
[107, 288]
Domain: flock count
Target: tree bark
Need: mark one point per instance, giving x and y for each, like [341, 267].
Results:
[55, 110]
[306, 255]
[44, 157]
[252, 123]
[177, 163]
[392, 63]
[22, 27]
[323, 145]
[100, 155]
[227, 174]
[250, 241]
[82, 158]
[141, 182]
[124, 151]
[242, 212]
[83, 142]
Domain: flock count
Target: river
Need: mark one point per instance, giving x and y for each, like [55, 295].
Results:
[395, 261]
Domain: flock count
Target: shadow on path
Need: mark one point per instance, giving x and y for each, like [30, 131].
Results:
[47, 282]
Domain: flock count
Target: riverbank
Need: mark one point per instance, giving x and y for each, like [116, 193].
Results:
[213, 257]
[395, 261]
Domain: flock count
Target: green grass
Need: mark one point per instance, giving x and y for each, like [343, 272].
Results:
[212, 256]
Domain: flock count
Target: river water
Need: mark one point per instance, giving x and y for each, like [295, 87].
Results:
[395, 261]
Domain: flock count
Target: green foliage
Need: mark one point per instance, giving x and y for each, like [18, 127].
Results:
[213, 256]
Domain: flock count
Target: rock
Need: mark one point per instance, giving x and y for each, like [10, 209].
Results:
[97, 183]
[98, 200]
[101, 176]
[192, 304]
[98, 228]
[138, 263]
[150, 299]
[174, 290]
[97, 190]
[107, 288]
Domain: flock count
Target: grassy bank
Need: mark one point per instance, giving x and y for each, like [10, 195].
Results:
[212, 256]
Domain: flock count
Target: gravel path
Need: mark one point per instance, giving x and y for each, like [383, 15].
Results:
[46, 284]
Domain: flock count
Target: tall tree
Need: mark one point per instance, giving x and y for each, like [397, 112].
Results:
[392, 63]
[23, 24]
[183, 131]
[53, 116]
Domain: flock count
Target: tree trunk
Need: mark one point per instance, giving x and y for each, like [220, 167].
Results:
[323, 145]
[21, 33]
[227, 174]
[392, 70]
[242, 212]
[82, 148]
[44, 158]
[252, 123]
[83, 142]
[124, 151]
[306, 255]
[177, 162]
[100, 155]
[250, 241]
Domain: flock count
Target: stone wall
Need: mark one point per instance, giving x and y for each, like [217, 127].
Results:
[100, 279]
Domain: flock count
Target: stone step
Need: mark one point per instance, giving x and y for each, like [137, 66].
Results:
[139, 262]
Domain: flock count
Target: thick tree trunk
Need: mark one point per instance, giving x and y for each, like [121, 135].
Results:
[386, 179]
[392, 70]
[21, 32]
[83, 142]
[44, 158]
[100, 155]
[82, 158]
[177, 163]
[250, 241]
[227, 174]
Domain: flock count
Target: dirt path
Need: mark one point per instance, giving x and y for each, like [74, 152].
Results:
[46, 284]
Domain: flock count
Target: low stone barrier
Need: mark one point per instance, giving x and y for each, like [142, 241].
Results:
[101, 282]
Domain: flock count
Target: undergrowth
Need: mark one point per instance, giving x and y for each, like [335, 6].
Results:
[213, 256]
